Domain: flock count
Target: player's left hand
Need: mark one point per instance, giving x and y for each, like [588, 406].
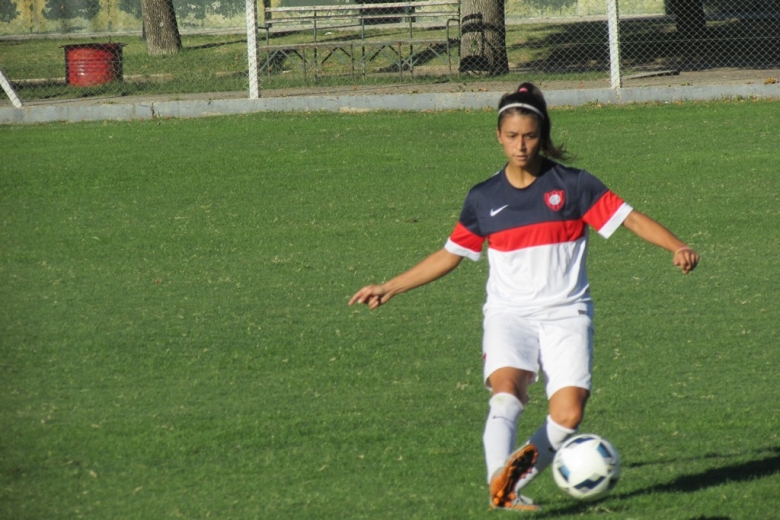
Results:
[686, 259]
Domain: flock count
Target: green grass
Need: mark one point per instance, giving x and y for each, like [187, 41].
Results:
[175, 339]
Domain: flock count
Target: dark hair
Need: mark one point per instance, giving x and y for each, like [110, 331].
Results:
[529, 94]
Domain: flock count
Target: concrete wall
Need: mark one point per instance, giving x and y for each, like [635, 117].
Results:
[19, 17]
[575, 8]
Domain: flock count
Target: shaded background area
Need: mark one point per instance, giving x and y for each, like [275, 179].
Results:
[547, 40]
[647, 44]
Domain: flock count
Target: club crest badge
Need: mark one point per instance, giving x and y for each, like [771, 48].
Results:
[555, 199]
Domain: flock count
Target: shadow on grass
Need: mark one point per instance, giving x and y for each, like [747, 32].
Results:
[760, 468]
[214, 45]
[648, 44]
[59, 90]
[54, 89]
[755, 469]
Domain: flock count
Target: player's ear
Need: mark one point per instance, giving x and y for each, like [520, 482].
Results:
[498, 134]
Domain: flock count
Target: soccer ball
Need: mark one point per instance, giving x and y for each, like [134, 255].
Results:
[587, 467]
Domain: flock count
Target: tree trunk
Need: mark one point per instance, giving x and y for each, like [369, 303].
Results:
[160, 27]
[483, 40]
[691, 21]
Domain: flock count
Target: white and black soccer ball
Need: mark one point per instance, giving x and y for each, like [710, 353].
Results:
[586, 467]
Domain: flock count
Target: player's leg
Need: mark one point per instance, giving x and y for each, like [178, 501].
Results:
[505, 467]
[566, 353]
[567, 407]
[507, 402]
[511, 351]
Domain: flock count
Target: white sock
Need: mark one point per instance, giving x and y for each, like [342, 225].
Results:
[547, 440]
[500, 430]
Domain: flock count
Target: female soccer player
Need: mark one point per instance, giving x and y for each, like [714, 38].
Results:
[534, 215]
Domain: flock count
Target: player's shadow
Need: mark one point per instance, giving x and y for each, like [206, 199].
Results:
[716, 476]
[761, 468]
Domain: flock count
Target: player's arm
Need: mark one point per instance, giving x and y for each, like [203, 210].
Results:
[432, 268]
[648, 229]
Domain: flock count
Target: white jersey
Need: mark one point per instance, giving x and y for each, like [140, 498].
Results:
[537, 236]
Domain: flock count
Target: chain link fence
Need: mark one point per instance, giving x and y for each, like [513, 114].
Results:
[62, 49]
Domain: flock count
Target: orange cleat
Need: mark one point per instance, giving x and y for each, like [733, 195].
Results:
[502, 485]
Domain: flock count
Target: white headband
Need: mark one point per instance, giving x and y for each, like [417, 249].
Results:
[522, 105]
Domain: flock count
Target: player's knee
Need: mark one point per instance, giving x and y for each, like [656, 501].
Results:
[568, 417]
[567, 406]
[511, 381]
[521, 394]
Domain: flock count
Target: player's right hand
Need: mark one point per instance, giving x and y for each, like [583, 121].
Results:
[371, 295]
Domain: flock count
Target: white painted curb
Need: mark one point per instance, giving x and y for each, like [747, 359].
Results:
[78, 112]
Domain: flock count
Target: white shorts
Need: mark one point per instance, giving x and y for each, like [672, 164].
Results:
[558, 342]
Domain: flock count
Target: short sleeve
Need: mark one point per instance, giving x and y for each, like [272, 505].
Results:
[466, 240]
[600, 207]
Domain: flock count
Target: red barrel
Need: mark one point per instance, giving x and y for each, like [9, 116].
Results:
[89, 64]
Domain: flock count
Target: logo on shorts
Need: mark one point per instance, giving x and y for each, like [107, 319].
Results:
[555, 199]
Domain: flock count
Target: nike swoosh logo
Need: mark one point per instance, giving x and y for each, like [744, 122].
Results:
[494, 212]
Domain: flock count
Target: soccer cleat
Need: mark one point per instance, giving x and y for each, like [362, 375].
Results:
[502, 485]
[519, 503]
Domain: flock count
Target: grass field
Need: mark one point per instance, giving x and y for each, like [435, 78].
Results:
[175, 340]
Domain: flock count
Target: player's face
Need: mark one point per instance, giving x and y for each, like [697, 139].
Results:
[520, 136]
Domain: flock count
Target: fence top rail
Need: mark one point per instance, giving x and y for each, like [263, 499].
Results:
[336, 18]
[361, 7]
[353, 43]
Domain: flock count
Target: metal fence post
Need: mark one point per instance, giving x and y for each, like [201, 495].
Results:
[614, 44]
[9, 91]
[251, 49]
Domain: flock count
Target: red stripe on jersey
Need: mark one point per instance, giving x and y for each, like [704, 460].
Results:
[533, 235]
[603, 210]
[465, 238]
